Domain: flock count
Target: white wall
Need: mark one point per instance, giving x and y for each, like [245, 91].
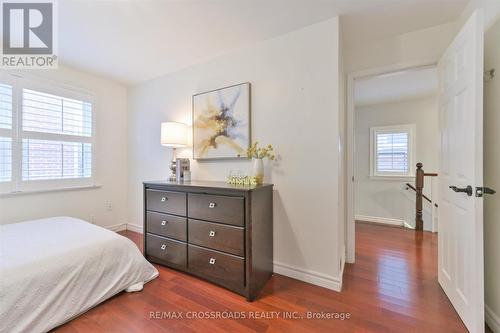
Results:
[492, 178]
[491, 11]
[295, 106]
[426, 45]
[389, 199]
[111, 121]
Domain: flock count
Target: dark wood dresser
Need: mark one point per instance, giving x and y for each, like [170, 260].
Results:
[217, 231]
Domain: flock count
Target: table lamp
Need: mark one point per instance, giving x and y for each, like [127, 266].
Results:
[174, 134]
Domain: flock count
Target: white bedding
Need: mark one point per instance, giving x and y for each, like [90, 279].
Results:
[52, 270]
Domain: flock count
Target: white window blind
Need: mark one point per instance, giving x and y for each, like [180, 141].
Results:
[5, 159]
[5, 133]
[48, 113]
[44, 159]
[46, 136]
[49, 158]
[5, 106]
[392, 150]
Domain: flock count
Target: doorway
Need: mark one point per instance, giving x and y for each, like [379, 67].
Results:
[392, 125]
[396, 127]
[461, 188]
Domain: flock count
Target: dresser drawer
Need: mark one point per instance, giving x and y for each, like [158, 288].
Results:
[166, 202]
[217, 236]
[167, 251]
[166, 225]
[217, 208]
[224, 269]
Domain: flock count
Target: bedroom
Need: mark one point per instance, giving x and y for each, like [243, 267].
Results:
[82, 150]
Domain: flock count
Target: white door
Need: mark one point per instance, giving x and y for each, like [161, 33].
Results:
[461, 214]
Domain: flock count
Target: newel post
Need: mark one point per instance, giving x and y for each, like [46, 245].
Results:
[419, 186]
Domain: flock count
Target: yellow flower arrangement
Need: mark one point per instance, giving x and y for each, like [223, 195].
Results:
[254, 151]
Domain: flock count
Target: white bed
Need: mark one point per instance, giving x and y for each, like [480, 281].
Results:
[52, 270]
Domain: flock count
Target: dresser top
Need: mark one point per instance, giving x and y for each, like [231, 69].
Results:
[208, 184]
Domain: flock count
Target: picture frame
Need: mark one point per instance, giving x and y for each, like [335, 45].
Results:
[221, 123]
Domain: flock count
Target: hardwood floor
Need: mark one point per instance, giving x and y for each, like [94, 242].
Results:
[392, 288]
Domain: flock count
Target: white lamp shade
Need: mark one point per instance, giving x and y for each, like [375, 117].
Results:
[174, 134]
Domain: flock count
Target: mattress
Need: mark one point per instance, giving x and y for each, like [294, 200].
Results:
[52, 270]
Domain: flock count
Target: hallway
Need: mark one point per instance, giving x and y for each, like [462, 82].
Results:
[395, 279]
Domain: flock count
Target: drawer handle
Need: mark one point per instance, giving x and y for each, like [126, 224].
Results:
[164, 199]
[211, 205]
[212, 261]
[163, 246]
[211, 233]
[163, 222]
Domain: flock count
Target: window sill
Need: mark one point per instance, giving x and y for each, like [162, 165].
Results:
[62, 189]
[393, 178]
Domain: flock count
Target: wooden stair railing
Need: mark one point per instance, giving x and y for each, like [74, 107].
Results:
[410, 186]
[419, 187]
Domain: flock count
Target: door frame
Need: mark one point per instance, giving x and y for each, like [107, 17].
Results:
[351, 78]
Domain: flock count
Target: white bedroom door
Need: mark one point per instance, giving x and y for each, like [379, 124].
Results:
[460, 229]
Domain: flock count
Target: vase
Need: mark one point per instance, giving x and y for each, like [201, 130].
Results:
[258, 170]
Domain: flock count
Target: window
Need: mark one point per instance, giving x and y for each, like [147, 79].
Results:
[392, 149]
[46, 136]
[5, 159]
[6, 134]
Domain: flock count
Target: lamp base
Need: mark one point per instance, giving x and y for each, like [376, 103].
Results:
[173, 165]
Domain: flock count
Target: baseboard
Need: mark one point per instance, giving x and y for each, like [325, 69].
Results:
[382, 220]
[492, 319]
[117, 227]
[135, 227]
[316, 278]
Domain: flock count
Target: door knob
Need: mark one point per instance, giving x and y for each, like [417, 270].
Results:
[480, 191]
[467, 189]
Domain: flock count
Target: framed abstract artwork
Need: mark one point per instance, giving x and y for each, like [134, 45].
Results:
[221, 123]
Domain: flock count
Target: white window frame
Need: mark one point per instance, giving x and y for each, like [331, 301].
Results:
[407, 128]
[17, 185]
[6, 187]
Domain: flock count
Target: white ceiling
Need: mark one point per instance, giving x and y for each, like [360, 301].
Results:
[395, 87]
[136, 40]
